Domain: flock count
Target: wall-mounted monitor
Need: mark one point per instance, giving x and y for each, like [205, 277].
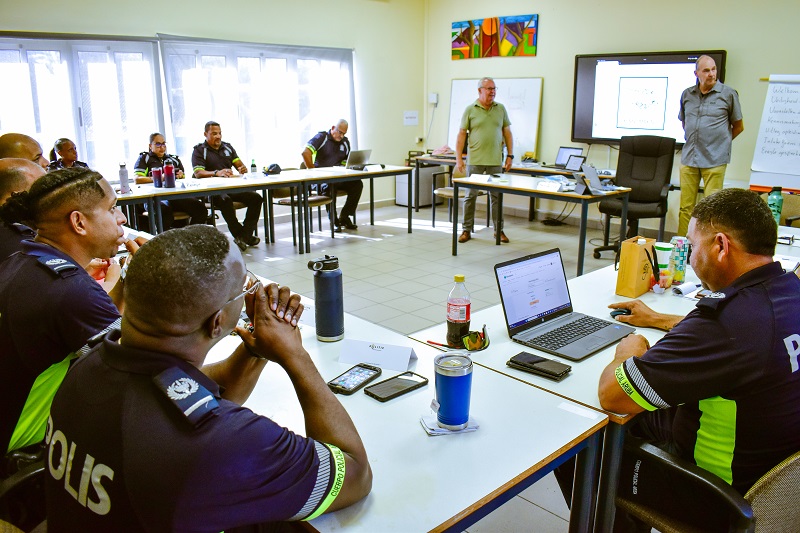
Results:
[633, 94]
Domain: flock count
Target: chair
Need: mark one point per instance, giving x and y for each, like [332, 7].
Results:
[447, 192]
[769, 506]
[22, 497]
[644, 165]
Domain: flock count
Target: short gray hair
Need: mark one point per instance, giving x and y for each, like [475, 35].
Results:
[480, 82]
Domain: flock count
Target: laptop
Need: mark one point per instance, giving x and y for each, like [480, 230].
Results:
[574, 163]
[538, 309]
[358, 159]
[563, 156]
[591, 182]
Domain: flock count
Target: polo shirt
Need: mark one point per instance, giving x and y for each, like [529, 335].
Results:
[59, 164]
[327, 151]
[162, 451]
[49, 308]
[147, 161]
[11, 237]
[731, 368]
[485, 127]
[707, 122]
[206, 158]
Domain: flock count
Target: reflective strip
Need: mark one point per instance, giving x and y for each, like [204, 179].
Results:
[628, 389]
[325, 486]
[641, 384]
[32, 420]
[117, 324]
[716, 437]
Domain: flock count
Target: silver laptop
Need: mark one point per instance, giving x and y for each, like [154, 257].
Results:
[538, 309]
[592, 182]
[358, 159]
[563, 156]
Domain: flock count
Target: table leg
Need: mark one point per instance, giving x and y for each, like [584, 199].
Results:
[490, 207]
[582, 236]
[271, 216]
[371, 202]
[306, 212]
[613, 443]
[409, 195]
[300, 192]
[151, 209]
[265, 209]
[416, 193]
[455, 218]
[584, 493]
[532, 209]
[623, 218]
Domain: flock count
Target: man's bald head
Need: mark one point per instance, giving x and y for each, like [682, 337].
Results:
[17, 175]
[21, 146]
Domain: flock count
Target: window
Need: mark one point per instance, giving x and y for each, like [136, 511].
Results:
[268, 100]
[100, 94]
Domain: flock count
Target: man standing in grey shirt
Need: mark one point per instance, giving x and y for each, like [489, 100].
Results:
[711, 118]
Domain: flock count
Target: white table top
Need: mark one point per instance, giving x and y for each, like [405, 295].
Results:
[591, 294]
[524, 183]
[421, 482]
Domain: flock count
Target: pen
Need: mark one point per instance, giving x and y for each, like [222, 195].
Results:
[437, 344]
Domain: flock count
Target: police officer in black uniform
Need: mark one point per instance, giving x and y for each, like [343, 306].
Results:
[214, 158]
[64, 155]
[157, 157]
[16, 175]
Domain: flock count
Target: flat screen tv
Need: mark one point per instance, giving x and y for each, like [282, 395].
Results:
[633, 94]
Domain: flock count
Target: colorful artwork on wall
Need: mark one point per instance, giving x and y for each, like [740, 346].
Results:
[493, 37]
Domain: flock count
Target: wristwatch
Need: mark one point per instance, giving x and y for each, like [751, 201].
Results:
[510, 156]
[215, 173]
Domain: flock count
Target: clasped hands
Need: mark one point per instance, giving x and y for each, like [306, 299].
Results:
[274, 312]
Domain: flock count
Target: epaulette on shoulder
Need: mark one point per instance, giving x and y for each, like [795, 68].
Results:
[193, 400]
[60, 266]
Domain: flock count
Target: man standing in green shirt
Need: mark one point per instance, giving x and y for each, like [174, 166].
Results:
[488, 126]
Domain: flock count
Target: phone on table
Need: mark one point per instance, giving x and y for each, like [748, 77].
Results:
[354, 379]
[541, 366]
[398, 385]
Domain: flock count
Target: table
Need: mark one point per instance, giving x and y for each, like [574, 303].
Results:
[527, 186]
[442, 483]
[590, 294]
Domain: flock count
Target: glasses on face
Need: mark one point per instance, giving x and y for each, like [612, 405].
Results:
[475, 341]
[490, 89]
[160, 145]
[340, 132]
[251, 285]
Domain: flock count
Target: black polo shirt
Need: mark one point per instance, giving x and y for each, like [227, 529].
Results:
[327, 151]
[162, 451]
[206, 158]
[147, 161]
[11, 237]
[49, 308]
[59, 164]
[731, 368]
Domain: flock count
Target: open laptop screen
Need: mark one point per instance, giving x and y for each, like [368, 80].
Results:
[564, 152]
[533, 287]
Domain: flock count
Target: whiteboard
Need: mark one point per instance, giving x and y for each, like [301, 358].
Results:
[776, 160]
[522, 98]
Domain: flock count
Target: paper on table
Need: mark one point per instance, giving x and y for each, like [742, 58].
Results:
[389, 356]
[430, 426]
[685, 289]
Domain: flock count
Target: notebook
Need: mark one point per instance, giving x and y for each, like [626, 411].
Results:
[358, 159]
[538, 309]
[563, 156]
[591, 181]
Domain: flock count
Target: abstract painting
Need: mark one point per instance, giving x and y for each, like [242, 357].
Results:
[493, 37]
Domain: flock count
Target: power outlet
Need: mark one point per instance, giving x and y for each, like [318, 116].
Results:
[418, 140]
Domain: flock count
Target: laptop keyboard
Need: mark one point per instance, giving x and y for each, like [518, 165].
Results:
[556, 338]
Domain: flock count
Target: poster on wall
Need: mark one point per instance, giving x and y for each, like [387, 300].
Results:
[494, 37]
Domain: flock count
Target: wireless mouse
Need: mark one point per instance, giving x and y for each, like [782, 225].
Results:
[617, 312]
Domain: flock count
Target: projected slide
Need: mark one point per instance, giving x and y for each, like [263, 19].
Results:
[642, 103]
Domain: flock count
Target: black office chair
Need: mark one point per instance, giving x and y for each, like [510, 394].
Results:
[22, 501]
[644, 165]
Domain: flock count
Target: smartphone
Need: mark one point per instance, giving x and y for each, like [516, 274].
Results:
[541, 366]
[396, 386]
[354, 379]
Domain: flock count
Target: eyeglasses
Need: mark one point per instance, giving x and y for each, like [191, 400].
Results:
[251, 285]
[160, 145]
[340, 132]
[490, 89]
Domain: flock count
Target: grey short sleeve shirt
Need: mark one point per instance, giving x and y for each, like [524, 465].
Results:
[707, 122]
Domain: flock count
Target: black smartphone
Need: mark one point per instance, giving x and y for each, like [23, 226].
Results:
[354, 379]
[397, 386]
[541, 366]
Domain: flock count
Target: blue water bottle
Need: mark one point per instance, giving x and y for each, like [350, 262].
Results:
[328, 298]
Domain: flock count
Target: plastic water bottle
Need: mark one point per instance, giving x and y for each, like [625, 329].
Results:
[253, 167]
[458, 312]
[775, 203]
[124, 182]
[328, 298]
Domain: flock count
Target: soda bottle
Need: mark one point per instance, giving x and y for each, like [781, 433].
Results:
[253, 167]
[458, 310]
[775, 203]
[124, 182]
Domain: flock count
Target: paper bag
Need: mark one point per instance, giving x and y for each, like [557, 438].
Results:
[635, 270]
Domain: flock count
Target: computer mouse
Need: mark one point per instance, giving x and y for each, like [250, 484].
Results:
[617, 312]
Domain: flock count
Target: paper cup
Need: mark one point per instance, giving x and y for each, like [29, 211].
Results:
[663, 251]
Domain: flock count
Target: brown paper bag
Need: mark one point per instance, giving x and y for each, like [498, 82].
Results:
[635, 270]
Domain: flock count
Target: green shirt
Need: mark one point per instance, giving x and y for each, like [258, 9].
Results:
[485, 127]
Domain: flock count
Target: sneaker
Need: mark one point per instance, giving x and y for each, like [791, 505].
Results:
[240, 243]
[465, 236]
[503, 237]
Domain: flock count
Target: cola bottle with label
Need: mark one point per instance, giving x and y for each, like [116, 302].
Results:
[458, 311]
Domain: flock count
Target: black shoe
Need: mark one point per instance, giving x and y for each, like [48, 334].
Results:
[251, 240]
[240, 243]
[346, 223]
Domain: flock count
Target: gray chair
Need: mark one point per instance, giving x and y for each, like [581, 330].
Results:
[644, 165]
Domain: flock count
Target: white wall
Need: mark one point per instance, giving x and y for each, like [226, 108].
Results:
[387, 35]
[761, 38]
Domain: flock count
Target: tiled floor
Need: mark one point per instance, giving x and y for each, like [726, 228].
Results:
[401, 281]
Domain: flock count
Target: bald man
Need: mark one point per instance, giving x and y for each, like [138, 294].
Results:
[16, 175]
[21, 146]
